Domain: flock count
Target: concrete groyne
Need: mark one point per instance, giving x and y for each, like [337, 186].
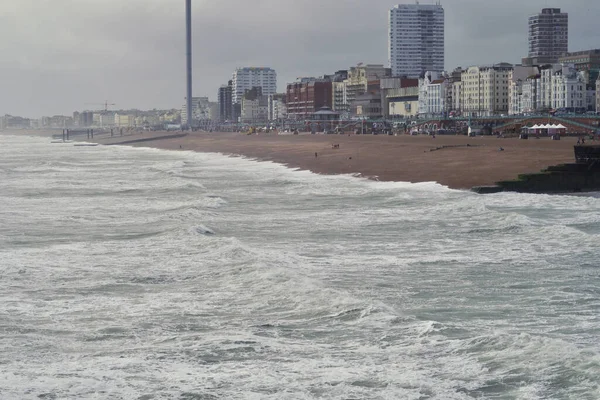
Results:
[147, 139]
[580, 176]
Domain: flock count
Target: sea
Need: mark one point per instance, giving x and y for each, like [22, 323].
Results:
[137, 273]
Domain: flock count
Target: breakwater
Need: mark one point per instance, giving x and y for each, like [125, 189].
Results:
[581, 176]
[147, 139]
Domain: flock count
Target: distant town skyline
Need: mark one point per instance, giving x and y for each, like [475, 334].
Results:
[64, 55]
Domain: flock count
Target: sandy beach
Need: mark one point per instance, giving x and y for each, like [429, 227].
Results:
[459, 162]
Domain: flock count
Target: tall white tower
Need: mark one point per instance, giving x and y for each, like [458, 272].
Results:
[416, 39]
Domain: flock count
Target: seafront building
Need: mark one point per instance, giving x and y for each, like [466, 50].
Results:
[124, 120]
[587, 61]
[416, 39]
[433, 90]
[548, 37]
[213, 111]
[277, 109]
[456, 99]
[307, 96]
[590, 97]
[517, 79]
[562, 88]
[558, 87]
[103, 119]
[453, 89]
[368, 104]
[254, 106]
[530, 93]
[568, 89]
[403, 102]
[225, 100]
[338, 103]
[249, 77]
[83, 119]
[391, 85]
[357, 83]
[200, 111]
[484, 90]
[598, 95]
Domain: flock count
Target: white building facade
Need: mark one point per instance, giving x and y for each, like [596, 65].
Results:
[416, 39]
[485, 90]
[517, 79]
[558, 87]
[568, 89]
[338, 101]
[277, 109]
[530, 95]
[456, 98]
[249, 77]
[433, 90]
[200, 110]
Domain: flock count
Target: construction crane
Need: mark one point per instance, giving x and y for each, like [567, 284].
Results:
[105, 104]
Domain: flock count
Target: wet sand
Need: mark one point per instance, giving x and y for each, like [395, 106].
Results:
[464, 162]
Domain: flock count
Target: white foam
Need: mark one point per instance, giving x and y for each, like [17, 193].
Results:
[311, 286]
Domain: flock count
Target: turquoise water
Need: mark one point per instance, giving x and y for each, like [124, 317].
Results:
[131, 273]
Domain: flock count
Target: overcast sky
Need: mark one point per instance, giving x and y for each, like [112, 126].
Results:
[58, 56]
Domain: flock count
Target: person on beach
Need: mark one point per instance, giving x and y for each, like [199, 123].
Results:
[315, 155]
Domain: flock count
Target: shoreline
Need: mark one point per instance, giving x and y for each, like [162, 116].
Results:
[458, 162]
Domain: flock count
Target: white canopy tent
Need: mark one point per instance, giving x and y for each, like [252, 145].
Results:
[552, 129]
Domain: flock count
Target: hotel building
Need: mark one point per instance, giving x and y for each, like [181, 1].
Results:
[485, 89]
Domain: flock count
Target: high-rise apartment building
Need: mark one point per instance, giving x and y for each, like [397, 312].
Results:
[225, 101]
[250, 77]
[548, 36]
[416, 39]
